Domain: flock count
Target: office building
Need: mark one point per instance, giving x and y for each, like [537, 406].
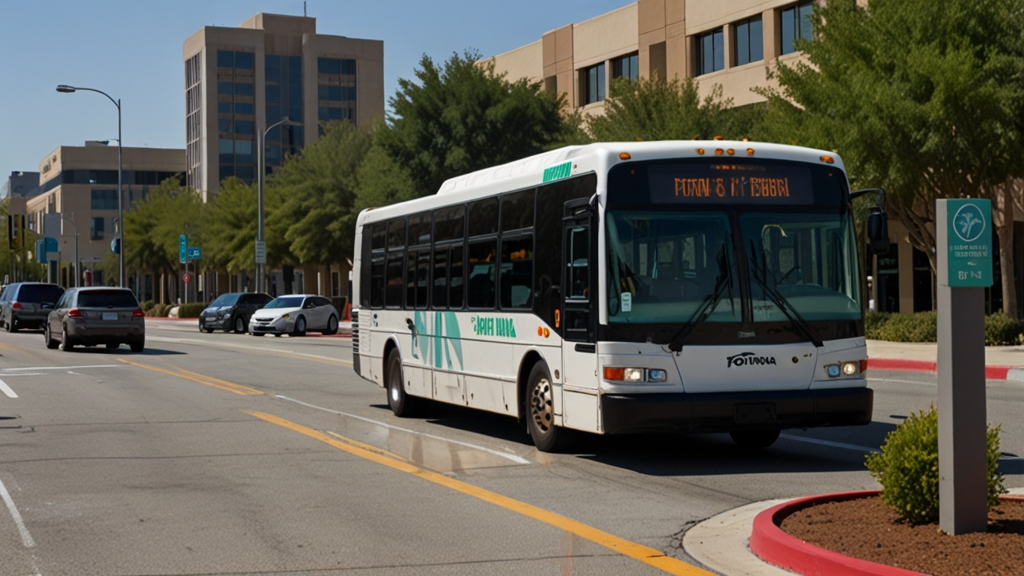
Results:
[20, 185]
[238, 81]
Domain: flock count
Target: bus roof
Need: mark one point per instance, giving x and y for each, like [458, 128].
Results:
[598, 157]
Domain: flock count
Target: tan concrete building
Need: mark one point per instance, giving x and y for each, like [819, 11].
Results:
[732, 44]
[240, 80]
[79, 190]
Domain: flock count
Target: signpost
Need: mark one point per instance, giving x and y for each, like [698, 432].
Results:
[182, 248]
[964, 253]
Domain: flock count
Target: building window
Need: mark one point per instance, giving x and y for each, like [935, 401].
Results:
[710, 52]
[96, 228]
[225, 59]
[626, 67]
[749, 42]
[104, 200]
[796, 25]
[593, 84]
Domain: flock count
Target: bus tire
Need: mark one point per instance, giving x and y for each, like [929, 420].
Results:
[754, 439]
[540, 413]
[400, 403]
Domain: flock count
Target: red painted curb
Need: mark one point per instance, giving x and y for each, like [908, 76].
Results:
[773, 545]
[991, 372]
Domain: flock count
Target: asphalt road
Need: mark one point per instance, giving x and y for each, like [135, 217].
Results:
[229, 454]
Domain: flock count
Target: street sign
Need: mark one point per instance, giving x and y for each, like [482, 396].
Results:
[194, 253]
[182, 248]
[187, 277]
[261, 252]
[968, 249]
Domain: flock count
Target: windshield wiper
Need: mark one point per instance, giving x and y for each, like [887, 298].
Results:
[707, 306]
[779, 300]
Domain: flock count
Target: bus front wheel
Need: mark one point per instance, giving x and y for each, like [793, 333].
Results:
[754, 439]
[540, 419]
[400, 403]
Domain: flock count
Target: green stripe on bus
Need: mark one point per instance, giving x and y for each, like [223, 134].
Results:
[557, 172]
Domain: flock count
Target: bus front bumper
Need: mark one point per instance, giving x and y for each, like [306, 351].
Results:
[726, 412]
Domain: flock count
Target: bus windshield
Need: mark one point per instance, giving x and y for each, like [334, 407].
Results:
[666, 265]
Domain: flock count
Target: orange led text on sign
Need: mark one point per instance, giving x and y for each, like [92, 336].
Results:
[732, 187]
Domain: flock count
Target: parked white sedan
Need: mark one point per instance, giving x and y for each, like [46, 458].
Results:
[295, 314]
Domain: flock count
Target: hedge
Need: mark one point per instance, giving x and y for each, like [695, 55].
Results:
[191, 310]
[1000, 329]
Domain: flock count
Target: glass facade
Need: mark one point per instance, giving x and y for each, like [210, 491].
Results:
[710, 52]
[236, 119]
[336, 90]
[796, 25]
[283, 99]
[593, 84]
[749, 41]
[193, 121]
[626, 67]
[104, 199]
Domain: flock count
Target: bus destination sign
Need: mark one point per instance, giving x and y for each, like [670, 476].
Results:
[730, 184]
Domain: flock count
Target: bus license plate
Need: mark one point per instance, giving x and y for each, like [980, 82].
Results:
[110, 315]
[754, 413]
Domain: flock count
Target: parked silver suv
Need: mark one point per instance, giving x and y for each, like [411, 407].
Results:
[91, 316]
[27, 304]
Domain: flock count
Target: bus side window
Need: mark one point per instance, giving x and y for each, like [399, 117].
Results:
[578, 267]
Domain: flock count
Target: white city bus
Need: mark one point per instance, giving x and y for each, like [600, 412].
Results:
[624, 287]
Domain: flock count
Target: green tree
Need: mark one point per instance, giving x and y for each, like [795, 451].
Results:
[230, 224]
[462, 117]
[920, 97]
[657, 109]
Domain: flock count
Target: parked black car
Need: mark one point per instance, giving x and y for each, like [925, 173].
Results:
[27, 304]
[232, 311]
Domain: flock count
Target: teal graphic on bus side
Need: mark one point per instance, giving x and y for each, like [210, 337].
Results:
[558, 172]
[445, 338]
[503, 327]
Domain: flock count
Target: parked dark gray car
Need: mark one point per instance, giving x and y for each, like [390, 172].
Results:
[91, 316]
[27, 304]
[232, 311]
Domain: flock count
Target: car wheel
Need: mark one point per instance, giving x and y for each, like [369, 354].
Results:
[50, 342]
[754, 439]
[12, 326]
[300, 326]
[65, 341]
[202, 326]
[239, 325]
[138, 346]
[113, 346]
[540, 413]
[400, 403]
[332, 325]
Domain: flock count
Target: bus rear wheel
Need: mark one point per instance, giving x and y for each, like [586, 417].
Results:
[754, 439]
[400, 403]
[540, 417]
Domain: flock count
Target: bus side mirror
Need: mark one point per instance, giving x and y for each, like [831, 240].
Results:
[878, 231]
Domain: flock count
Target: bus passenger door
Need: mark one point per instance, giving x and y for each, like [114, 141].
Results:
[578, 307]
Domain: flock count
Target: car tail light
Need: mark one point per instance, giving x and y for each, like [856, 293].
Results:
[138, 313]
[75, 312]
[16, 306]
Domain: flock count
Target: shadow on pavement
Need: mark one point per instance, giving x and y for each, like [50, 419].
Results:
[124, 350]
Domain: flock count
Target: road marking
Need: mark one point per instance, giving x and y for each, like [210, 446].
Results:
[5, 370]
[205, 380]
[512, 457]
[26, 538]
[649, 556]
[245, 347]
[7, 390]
[8, 375]
[828, 443]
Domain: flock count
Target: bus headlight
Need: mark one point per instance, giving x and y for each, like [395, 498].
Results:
[656, 375]
[844, 369]
[616, 374]
[849, 368]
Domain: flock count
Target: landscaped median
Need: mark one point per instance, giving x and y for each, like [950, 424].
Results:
[858, 524]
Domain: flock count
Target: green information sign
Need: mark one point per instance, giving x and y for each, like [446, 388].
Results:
[968, 243]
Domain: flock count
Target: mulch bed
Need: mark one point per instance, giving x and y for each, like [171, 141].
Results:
[864, 528]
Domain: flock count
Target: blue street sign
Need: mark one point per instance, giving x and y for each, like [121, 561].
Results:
[194, 253]
[51, 244]
[182, 248]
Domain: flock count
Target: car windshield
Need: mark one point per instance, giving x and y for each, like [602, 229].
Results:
[224, 300]
[107, 299]
[285, 302]
[667, 265]
[38, 293]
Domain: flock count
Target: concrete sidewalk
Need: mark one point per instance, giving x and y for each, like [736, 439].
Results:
[1001, 362]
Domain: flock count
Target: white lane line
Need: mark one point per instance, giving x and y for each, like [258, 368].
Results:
[828, 443]
[512, 457]
[7, 390]
[26, 538]
[5, 370]
[6, 375]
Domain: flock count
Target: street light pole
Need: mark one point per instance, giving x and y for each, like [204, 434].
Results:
[64, 88]
[260, 177]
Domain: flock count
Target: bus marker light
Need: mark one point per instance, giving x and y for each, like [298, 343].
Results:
[730, 151]
[547, 332]
[719, 137]
[624, 156]
[558, 318]
[719, 152]
[828, 159]
[700, 151]
[750, 151]
[540, 330]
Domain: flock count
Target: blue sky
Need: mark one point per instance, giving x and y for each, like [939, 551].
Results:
[132, 50]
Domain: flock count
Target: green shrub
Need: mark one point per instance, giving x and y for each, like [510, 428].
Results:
[908, 467]
[191, 310]
[919, 327]
[158, 311]
[1001, 330]
[147, 305]
[873, 322]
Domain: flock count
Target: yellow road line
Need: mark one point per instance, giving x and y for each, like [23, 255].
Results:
[633, 550]
[245, 389]
[236, 388]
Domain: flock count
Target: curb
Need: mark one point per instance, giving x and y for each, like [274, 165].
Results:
[991, 372]
[770, 543]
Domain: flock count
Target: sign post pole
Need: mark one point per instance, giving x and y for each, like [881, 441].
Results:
[964, 253]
